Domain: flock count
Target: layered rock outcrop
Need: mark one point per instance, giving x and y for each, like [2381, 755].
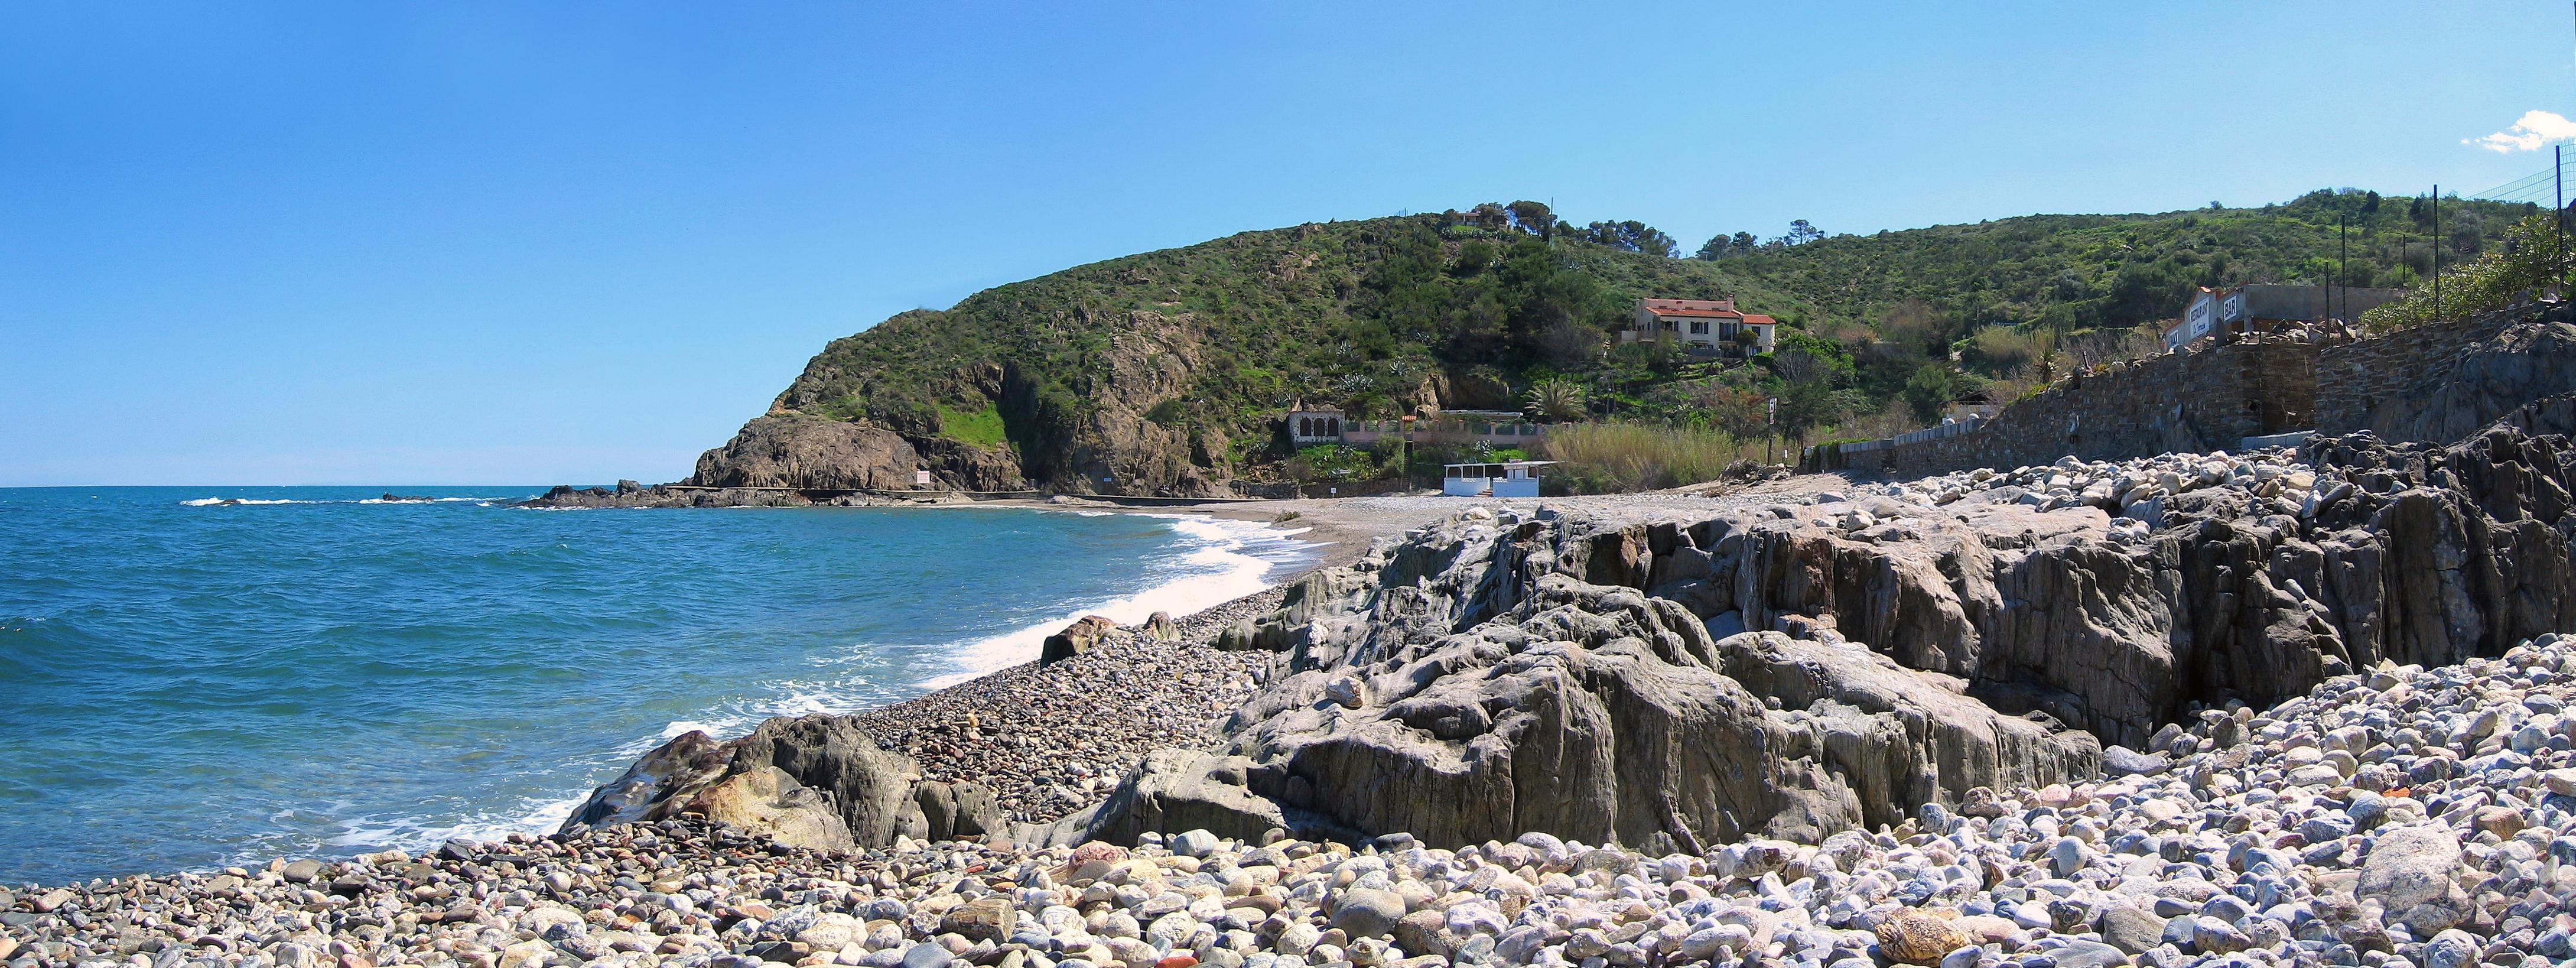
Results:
[2442, 382]
[1495, 675]
[1671, 680]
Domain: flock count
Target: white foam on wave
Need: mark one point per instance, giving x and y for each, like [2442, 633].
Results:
[1223, 560]
[1231, 559]
[419, 834]
[246, 501]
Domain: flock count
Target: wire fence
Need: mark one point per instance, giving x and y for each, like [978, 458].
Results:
[2540, 187]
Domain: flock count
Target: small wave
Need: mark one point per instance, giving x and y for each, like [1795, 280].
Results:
[247, 501]
[418, 834]
[1232, 559]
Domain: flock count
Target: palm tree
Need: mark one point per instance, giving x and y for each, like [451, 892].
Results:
[1555, 398]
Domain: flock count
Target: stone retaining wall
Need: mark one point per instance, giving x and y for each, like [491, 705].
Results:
[2440, 382]
[2431, 384]
[2200, 399]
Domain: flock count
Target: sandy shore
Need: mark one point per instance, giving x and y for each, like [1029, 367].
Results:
[1346, 526]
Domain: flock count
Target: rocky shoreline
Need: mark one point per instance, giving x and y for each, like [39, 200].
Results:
[2397, 817]
[2290, 707]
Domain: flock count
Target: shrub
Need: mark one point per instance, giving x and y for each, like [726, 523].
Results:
[1605, 458]
[982, 428]
[1333, 462]
[2526, 261]
[1555, 398]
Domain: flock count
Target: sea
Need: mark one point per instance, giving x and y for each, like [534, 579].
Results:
[198, 677]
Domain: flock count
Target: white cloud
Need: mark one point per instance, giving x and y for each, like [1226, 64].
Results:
[2536, 128]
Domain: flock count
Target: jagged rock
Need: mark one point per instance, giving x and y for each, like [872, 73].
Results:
[771, 781]
[689, 761]
[806, 452]
[2497, 371]
[952, 811]
[1916, 649]
[766, 800]
[871, 786]
[1159, 625]
[1900, 738]
[1175, 791]
[1075, 639]
[1598, 713]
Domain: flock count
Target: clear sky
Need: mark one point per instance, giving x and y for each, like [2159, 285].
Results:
[452, 243]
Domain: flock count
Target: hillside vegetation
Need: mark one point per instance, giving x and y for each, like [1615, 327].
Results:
[1165, 371]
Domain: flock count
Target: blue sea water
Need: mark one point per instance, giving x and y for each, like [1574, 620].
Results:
[192, 677]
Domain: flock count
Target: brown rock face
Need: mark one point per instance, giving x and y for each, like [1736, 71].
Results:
[810, 453]
[768, 800]
[811, 781]
[1075, 639]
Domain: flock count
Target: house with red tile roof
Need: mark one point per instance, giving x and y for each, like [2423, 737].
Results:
[1706, 326]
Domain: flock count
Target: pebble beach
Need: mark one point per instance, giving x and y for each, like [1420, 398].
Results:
[2403, 817]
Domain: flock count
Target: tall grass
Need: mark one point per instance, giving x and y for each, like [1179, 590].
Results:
[1608, 458]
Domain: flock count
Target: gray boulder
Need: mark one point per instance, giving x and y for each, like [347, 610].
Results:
[2412, 874]
[814, 781]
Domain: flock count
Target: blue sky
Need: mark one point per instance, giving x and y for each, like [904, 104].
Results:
[463, 243]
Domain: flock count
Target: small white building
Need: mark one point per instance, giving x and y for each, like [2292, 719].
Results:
[1713, 325]
[2262, 308]
[1310, 427]
[1511, 478]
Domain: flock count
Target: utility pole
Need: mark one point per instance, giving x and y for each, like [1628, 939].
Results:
[2437, 252]
[2343, 264]
[2558, 214]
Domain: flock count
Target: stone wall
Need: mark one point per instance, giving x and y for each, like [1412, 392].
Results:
[2204, 398]
[2438, 383]
[2431, 384]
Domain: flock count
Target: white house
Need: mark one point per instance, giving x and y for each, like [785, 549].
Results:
[1308, 427]
[1511, 478]
[2261, 307]
[1709, 324]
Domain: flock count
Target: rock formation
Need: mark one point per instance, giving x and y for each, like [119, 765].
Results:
[1491, 676]
[804, 452]
[811, 781]
[1594, 677]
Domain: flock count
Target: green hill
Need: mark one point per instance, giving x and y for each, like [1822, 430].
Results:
[1164, 372]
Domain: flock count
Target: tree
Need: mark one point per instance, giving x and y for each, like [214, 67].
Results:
[1802, 232]
[1815, 375]
[1554, 398]
[1632, 235]
[1533, 218]
[1929, 391]
[1722, 245]
[1742, 413]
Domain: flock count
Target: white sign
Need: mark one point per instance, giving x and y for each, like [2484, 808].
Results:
[921, 478]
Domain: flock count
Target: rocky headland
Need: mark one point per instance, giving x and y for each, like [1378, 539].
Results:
[2302, 705]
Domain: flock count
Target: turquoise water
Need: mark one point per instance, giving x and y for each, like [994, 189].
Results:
[186, 684]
